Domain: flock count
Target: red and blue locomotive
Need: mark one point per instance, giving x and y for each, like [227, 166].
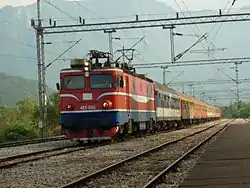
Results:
[102, 100]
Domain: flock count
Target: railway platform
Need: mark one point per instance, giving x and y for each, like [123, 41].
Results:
[226, 163]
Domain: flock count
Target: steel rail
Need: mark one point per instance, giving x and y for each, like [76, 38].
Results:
[85, 179]
[8, 162]
[36, 155]
[33, 141]
[157, 178]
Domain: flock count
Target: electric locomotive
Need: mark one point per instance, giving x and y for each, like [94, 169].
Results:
[100, 100]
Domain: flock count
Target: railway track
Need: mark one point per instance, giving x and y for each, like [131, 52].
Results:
[160, 176]
[18, 158]
[33, 141]
[147, 163]
[10, 161]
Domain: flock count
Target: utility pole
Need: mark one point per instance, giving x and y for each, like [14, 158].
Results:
[44, 89]
[164, 74]
[171, 32]
[41, 70]
[172, 44]
[194, 92]
[190, 87]
[111, 51]
[237, 85]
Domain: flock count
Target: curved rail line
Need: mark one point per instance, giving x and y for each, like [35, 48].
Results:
[33, 141]
[87, 178]
[172, 166]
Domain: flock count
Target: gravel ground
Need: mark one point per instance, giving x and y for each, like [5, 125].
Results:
[175, 179]
[138, 173]
[4, 152]
[59, 170]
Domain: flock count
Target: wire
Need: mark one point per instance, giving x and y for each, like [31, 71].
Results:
[62, 11]
[16, 56]
[73, 18]
[77, 42]
[83, 6]
[221, 24]
[98, 16]
[190, 15]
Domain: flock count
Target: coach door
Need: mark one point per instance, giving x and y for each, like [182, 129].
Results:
[128, 98]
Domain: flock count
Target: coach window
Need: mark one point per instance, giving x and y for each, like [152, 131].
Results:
[134, 88]
[74, 82]
[168, 101]
[101, 81]
[149, 90]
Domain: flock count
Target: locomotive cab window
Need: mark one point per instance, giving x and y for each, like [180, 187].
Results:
[74, 82]
[120, 83]
[101, 81]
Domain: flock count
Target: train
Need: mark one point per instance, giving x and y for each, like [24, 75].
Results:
[102, 99]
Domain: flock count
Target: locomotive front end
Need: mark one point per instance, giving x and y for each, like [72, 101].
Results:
[88, 101]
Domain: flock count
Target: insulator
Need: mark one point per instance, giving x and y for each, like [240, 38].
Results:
[54, 23]
[50, 21]
[220, 12]
[32, 22]
[137, 18]
[80, 19]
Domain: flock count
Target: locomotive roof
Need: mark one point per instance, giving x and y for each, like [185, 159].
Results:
[189, 98]
[142, 76]
[165, 88]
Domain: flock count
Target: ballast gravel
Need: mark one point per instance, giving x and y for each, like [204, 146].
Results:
[29, 148]
[59, 170]
[138, 173]
[175, 179]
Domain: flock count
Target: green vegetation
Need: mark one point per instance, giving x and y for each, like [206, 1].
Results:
[15, 88]
[20, 121]
[231, 111]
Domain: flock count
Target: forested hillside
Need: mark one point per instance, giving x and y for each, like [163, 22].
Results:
[15, 88]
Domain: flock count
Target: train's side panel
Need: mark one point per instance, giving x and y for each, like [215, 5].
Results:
[141, 98]
[168, 104]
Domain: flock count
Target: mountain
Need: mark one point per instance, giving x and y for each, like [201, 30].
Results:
[18, 47]
[16, 88]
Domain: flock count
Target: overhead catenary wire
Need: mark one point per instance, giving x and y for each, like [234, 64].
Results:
[221, 24]
[93, 12]
[191, 22]
[75, 19]
[77, 42]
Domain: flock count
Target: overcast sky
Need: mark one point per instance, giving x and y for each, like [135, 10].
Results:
[206, 4]
[191, 4]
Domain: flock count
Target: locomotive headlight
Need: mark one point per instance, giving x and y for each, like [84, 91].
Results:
[86, 64]
[106, 104]
[86, 68]
[69, 106]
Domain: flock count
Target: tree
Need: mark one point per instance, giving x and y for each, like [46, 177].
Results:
[231, 111]
[53, 114]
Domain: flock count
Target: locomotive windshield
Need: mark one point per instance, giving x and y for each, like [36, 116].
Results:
[74, 82]
[101, 81]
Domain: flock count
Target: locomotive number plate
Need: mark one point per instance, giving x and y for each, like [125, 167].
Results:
[88, 107]
[87, 96]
